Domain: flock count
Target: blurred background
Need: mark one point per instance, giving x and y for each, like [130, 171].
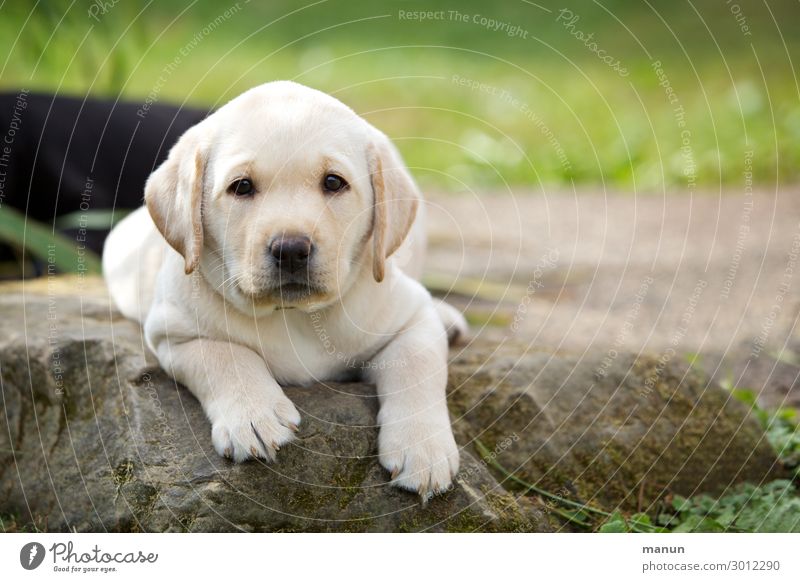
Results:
[576, 119]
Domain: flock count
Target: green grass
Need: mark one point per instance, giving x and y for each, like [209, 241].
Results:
[739, 93]
[58, 252]
[772, 507]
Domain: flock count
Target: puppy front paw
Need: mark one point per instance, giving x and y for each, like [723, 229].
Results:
[421, 455]
[253, 428]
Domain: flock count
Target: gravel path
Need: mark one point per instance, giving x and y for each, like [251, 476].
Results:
[676, 275]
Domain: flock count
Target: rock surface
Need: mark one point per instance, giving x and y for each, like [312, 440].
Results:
[585, 270]
[101, 439]
[614, 432]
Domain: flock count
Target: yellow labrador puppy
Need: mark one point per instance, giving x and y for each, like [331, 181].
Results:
[287, 215]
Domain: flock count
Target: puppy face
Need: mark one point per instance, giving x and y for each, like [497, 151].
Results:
[288, 201]
[283, 197]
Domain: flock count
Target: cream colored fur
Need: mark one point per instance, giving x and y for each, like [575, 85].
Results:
[192, 266]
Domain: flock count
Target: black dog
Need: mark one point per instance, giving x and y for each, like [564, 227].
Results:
[60, 155]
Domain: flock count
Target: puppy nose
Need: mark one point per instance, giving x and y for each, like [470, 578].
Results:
[291, 253]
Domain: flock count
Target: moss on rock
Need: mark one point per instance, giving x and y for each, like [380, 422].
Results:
[643, 427]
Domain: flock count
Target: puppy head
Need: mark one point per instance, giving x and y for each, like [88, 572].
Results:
[283, 197]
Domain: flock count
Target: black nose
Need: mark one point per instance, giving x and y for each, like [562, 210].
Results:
[291, 253]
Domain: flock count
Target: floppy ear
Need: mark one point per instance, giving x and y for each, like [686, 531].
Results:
[174, 194]
[395, 204]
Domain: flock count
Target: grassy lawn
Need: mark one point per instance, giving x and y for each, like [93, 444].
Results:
[477, 95]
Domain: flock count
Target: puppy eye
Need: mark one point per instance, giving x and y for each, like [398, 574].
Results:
[243, 187]
[333, 183]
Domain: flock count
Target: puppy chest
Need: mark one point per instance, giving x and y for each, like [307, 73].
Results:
[302, 350]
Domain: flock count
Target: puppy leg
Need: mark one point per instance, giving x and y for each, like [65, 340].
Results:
[249, 413]
[454, 323]
[416, 441]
